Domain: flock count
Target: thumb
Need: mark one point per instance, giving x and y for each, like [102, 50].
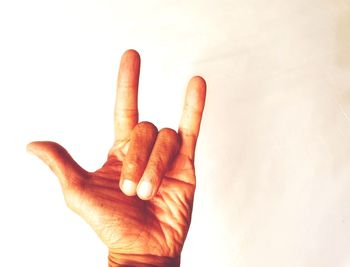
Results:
[59, 161]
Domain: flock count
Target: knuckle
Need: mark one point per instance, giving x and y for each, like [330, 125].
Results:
[145, 129]
[146, 126]
[68, 200]
[132, 164]
[170, 137]
[73, 195]
[73, 201]
[169, 133]
[156, 166]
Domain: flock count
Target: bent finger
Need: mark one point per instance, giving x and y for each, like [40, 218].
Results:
[141, 143]
[164, 151]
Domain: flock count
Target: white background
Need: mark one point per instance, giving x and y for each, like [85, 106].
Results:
[273, 158]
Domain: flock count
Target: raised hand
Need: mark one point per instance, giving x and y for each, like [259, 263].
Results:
[140, 201]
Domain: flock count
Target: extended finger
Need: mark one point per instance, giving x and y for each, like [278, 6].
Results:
[142, 140]
[126, 112]
[192, 115]
[163, 153]
[70, 174]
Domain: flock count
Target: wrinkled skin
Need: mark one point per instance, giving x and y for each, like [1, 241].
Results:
[149, 231]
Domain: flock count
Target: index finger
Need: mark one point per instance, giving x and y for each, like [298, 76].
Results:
[192, 115]
[126, 112]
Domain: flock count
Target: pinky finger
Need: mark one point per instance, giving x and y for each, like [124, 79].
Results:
[192, 116]
[163, 153]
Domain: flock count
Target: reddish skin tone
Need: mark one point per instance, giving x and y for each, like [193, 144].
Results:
[138, 231]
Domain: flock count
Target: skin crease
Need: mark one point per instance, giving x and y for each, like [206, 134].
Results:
[137, 232]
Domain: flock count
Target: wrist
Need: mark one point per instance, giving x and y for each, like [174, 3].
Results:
[135, 260]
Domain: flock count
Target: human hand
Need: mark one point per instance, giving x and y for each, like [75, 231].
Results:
[140, 201]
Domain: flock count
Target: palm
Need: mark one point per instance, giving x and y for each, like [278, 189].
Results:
[120, 216]
[129, 224]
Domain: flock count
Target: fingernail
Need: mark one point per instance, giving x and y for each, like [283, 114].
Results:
[144, 190]
[129, 187]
